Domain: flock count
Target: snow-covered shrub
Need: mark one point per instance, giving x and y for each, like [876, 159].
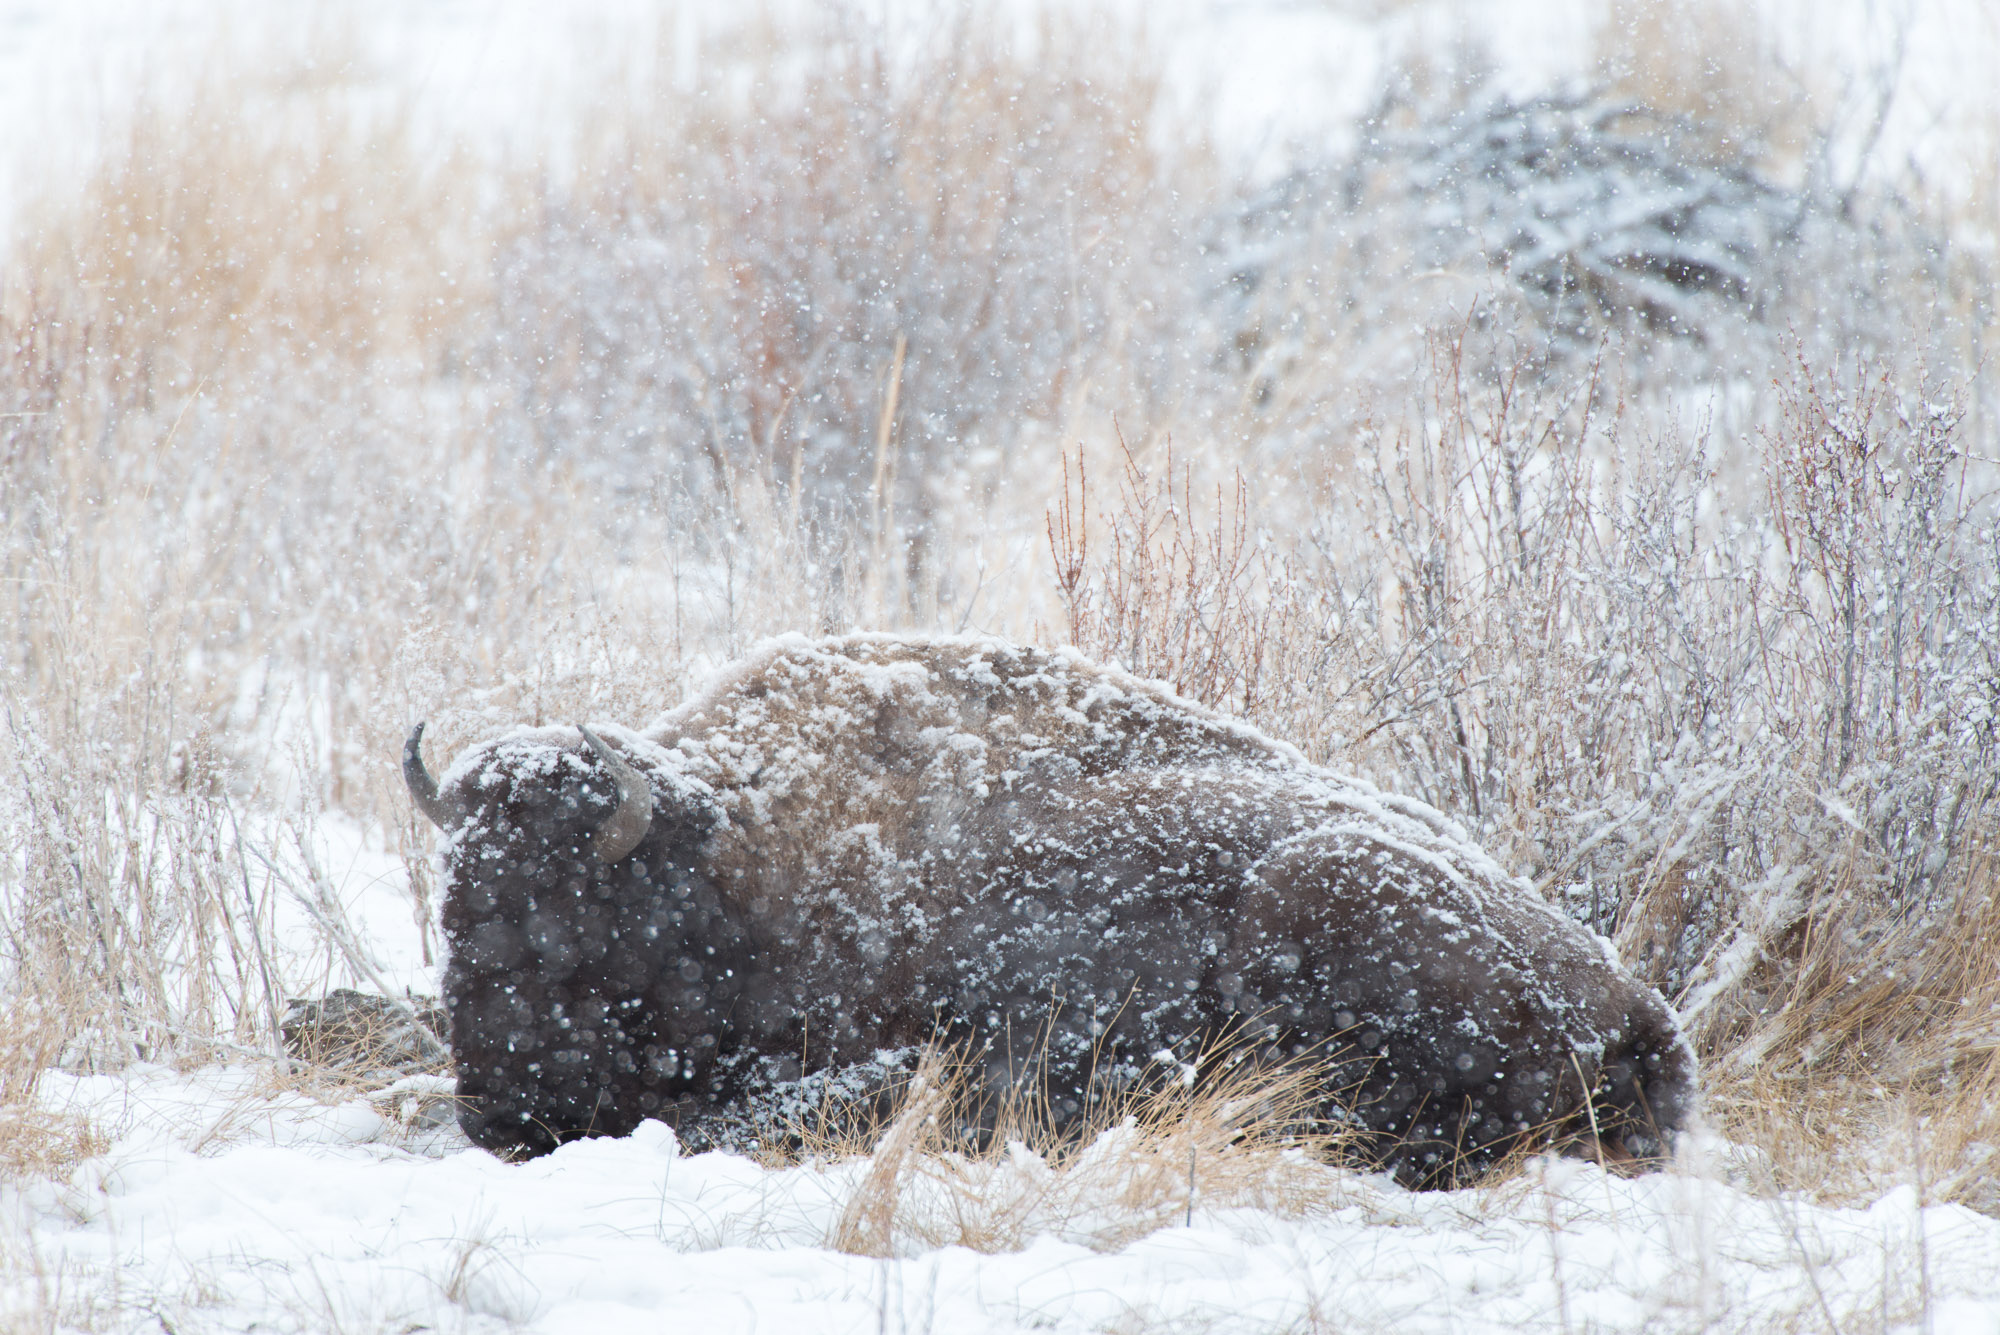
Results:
[855, 263]
[1563, 222]
[1710, 732]
[1597, 210]
[1559, 218]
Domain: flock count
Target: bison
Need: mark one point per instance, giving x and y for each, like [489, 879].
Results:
[858, 846]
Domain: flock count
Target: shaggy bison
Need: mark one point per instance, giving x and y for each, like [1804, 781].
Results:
[848, 848]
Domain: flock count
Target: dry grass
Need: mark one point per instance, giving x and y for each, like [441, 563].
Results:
[949, 1165]
[216, 250]
[36, 1141]
[1717, 64]
[1881, 1034]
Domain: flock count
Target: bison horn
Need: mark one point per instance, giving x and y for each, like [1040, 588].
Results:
[423, 788]
[627, 826]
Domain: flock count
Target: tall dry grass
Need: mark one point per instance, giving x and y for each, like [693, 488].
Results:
[214, 528]
[306, 435]
[1721, 66]
[265, 501]
[1248, 1137]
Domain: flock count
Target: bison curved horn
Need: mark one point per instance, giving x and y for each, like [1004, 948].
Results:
[423, 788]
[628, 824]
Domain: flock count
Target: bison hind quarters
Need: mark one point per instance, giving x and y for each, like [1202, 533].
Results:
[1623, 1113]
[1640, 1099]
[1633, 1119]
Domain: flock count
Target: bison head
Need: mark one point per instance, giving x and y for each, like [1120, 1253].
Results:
[614, 835]
[573, 925]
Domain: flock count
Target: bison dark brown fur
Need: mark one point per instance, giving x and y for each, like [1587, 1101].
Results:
[864, 844]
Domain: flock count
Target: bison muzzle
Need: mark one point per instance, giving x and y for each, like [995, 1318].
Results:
[854, 847]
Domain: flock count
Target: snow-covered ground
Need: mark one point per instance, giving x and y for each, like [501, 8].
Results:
[223, 1204]
[238, 1198]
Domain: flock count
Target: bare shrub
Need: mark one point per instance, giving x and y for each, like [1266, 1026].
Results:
[1177, 600]
[1735, 739]
[857, 263]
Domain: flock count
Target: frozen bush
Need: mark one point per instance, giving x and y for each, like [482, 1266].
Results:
[857, 263]
[1564, 222]
[1683, 719]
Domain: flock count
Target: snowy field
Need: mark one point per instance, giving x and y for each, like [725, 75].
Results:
[238, 1198]
[222, 1204]
[248, 1195]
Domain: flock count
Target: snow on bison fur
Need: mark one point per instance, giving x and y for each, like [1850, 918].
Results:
[859, 845]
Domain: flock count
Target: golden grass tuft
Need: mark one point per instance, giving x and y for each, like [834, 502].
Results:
[36, 1141]
[267, 214]
[1717, 64]
[1876, 1061]
[949, 1164]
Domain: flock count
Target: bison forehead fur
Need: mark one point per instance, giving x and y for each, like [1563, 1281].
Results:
[863, 844]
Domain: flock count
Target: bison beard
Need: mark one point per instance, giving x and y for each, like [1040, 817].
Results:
[864, 845]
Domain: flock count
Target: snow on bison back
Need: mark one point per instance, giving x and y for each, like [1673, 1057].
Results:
[853, 845]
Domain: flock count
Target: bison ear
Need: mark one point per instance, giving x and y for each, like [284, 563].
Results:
[423, 788]
[621, 833]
